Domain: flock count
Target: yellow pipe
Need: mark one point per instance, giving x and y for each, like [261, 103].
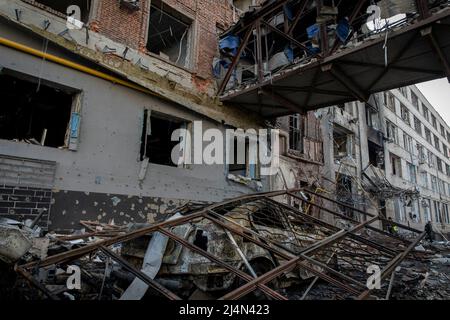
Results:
[73, 65]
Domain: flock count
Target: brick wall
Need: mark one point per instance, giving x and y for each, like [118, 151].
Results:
[22, 203]
[25, 188]
[130, 27]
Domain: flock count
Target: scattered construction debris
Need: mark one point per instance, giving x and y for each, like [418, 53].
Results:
[254, 246]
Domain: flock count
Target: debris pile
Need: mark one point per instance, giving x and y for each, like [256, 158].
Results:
[255, 246]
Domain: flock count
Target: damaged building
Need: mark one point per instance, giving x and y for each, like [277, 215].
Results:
[93, 92]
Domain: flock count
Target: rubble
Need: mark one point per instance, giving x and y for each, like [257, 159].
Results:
[254, 246]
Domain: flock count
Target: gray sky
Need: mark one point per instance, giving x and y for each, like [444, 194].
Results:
[438, 94]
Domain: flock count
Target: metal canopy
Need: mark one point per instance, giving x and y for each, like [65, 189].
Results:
[418, 50]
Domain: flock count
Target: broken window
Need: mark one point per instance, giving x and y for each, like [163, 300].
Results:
[405, 114]
[417, 125]
[169, 34]
[372, 117]
[439, 165]
[408, 142]
[343, 142]
[415, 211]
[156, 142]
[399, 210]
[376, 155]
[436, 143]
[241, 164]
[396, 165]
[437, 212]
[431, 159]
[426, 113]
[38, 112]
[446, 213]
[421, 154]
[433, 121]
[392, 132]
[434, 185]
[296, 132]
[424, 179]
[426, 205]
[412, 172]
[62, 6]
[428, 135]
[415, 100]
[390, 101]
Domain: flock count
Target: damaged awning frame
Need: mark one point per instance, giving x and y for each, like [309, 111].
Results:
[350, 244]
[327, 77]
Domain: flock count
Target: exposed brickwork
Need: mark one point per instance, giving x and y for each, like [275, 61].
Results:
[121, 24]
[22, 203]
[130, 28]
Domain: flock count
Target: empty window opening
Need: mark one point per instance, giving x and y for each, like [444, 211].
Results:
[156, 142]
[237, 167]
[396, 165]
[296, 133]
[376, 155]
[61, 6]
[415, 100]
[169, 34]
[34, 112]
[343, 142]
[372, 117]
[244, 157]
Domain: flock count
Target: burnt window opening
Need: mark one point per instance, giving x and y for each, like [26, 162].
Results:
[376, 155]
[169, 34]
[156, 141]
[36, 112]
[61, 6]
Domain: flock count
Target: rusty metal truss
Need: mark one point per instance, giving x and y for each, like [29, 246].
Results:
[336, 70]
[332, 251]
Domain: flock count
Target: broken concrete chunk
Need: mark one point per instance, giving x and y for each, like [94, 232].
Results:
[13, 243]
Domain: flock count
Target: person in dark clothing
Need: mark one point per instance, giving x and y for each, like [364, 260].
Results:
[391, 227]
[429, 231]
